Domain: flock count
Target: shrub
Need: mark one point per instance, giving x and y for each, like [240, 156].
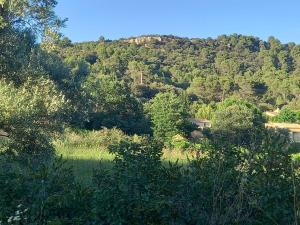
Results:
[136, 190]
[47, 194]
[91, 139]
[223, 184]
[230, 185]
[286, 115]
[180, 143]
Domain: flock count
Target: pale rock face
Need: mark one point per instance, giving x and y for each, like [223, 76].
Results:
[145, 39]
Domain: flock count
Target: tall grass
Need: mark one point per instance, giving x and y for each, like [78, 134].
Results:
[84, 160]
[85, 151]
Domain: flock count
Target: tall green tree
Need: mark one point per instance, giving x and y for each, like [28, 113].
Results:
[31, 115]
[35, 15]
[236, 121]
[169, 116]
[113, 105]
[21, 21]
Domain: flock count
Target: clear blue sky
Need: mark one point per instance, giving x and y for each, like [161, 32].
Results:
[113, 19]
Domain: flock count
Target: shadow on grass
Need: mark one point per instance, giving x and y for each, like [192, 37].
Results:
[83, 168]
[84, 160]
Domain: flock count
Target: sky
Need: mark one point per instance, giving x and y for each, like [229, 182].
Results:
[114, 19]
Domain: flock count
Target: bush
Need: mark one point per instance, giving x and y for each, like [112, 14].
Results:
[286, 115]
[47, 194]
[223, 184]
[180, 143]
[230, 185]
[137, 189]
[101, 139]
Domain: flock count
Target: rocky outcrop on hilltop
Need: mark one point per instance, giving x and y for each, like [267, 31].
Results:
[150, 38]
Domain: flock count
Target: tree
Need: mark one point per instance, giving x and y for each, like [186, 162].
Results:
[236, 120]
[21, 21]
[169, 116]
[139, 72]
[51, 40]
[31, 115]
[205, 112]
[211, 88]
[112, 105]
[237, 114]
[209, 69]
[24, 14]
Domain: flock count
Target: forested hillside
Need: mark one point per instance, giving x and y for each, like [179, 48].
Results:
[263, 72]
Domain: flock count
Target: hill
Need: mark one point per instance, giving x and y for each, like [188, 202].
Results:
[264, 72]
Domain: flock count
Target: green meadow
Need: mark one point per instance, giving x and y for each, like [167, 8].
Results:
[84, 160]
[87, 151]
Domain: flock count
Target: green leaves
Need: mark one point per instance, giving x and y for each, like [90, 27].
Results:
[169, 116]
[34, 15]
[286, 115]
[43, 194]
[238, 122]
[31, 114]
[112, 105]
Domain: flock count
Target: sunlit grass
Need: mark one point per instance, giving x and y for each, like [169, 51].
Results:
[84, 153]
[181, 157]
[296, 157]
[84, 160]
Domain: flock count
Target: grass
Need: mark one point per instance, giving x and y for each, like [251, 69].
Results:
[86, 151]
[84, 160]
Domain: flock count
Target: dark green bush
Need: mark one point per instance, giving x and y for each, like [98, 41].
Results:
[135, 190]
[43, 194]
[226, 185]
[222, 185]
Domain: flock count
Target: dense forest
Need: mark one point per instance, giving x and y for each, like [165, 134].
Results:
[136, 98]
[210, 70]
[206, 71]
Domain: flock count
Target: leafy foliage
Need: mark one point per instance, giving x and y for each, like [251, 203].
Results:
[223, 185]
[113, 106]
[31, 115]
[236, 121]
[28, 14]
[209, 69]
[237, 114]
[169, 116]
[130, 194]
[286, 115]
[47, 194]
[242, 174]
